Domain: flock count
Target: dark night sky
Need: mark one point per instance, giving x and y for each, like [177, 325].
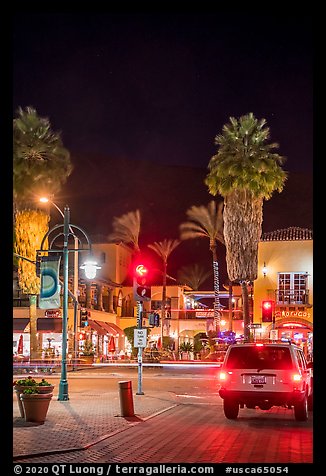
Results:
[161, 86]
[156, 89]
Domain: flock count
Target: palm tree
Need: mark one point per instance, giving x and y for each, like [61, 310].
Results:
[126, 229]
[194, 275]
[164, 249]
[245, 171]
[207, 222]
[40, 162]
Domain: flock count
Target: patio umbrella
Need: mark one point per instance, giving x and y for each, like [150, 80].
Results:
[111, 344]
[20, 345]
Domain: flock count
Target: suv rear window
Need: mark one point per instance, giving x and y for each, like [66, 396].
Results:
[256, 357]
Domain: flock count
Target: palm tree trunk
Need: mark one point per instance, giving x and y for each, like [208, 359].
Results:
[230, 305]
[245, 307]
[33, 328]
[163, 300]
[217, 314]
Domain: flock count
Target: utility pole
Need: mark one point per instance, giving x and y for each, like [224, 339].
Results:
[140, 349]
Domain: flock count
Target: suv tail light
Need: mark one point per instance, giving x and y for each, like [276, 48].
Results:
[223, 376]
[296, 377]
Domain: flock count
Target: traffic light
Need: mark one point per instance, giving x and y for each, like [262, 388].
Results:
[84, 315]
[142, 291]
[151, 320]
[267, 311]
[156, 320]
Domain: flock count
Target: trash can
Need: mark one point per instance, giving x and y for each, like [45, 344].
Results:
[126, 398]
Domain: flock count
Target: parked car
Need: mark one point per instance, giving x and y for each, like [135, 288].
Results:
[265, 375]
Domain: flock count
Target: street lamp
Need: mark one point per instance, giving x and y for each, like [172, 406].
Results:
[68, 230]
[76, 244]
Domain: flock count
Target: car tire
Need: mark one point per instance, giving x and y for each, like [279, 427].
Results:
[301, 410]
[231, 409]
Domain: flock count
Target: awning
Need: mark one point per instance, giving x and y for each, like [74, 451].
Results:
[49, 324]
[94, 325]
[19, 323]
[110, 328]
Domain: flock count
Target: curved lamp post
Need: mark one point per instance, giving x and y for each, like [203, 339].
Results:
[67, 230]
[76, 241]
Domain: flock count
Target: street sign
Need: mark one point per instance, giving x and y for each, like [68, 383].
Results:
[254, 325]
[140, 337]
[273, 335]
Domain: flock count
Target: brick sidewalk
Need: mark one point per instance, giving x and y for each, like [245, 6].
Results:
[82, 421]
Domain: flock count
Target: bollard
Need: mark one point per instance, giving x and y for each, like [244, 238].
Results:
[126, 399]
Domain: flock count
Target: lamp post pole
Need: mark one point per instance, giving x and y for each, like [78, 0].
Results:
[76, 276]
[90, 268]
[63, 385]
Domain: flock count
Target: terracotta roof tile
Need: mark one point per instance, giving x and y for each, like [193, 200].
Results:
[293, 233]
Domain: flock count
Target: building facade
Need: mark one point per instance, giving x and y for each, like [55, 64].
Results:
[285, 278]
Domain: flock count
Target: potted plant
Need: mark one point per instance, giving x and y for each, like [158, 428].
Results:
[43, 386]
[35, 404]
[88, 352]
[186, 348]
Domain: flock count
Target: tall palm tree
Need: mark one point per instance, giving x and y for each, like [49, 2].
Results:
[207, 222]
[126, 229]
[245, 171]
[40, 163]
[194, 275]
[31, 226]
[164, 249]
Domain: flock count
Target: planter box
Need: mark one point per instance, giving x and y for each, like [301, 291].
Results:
[20, 388]
[87, 359]
[35, 406]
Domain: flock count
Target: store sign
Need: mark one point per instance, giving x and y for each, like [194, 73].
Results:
[52, 313]
[204, 314]
[292, 314]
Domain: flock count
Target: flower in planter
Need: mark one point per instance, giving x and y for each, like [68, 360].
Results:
[30, 391]
[25, 382]
[31, 382]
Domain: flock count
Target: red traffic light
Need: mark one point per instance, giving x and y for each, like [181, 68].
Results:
[141, 270]
[267, 311]
[142, 291]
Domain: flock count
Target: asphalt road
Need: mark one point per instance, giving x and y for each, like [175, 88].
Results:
[195, 430]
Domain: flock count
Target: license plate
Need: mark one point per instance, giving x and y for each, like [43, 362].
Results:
[258, 379]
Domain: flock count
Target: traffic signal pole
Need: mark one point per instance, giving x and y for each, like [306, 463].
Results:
[140, 349]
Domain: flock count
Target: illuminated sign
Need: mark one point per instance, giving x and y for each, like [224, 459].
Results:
[204, 314]
[283, 314]
[52, 313]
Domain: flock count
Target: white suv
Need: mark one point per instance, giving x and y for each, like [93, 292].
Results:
[263, 375]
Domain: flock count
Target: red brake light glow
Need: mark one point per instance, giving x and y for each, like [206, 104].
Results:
[259, 345]
[296, 377]
[223, 376]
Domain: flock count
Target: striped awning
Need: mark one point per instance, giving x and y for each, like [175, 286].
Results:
[110, 328]
[96, 327]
